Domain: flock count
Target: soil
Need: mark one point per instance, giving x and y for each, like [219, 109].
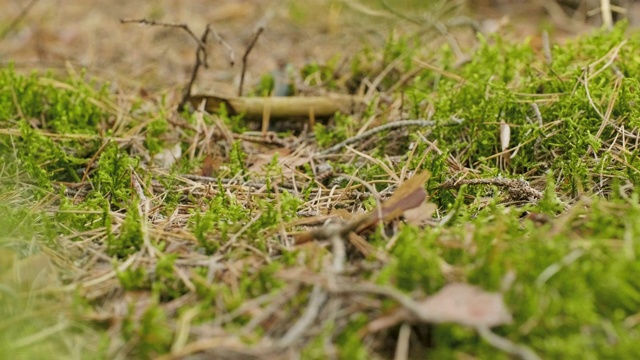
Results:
[57, 34]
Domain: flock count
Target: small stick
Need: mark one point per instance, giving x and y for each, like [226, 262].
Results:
[184, 27]
[518, 189]
[506, 345]
[246, 55]
[369, 133]
[316, 300]
[201, 50]
[402, 349]
[201, 60]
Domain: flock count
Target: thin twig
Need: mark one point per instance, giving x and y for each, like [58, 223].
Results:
[518, 189]
[230, 52]
[385, 127]
[201, 60]
[246, 56]
[339, 253]
[184, 27]
[506, 345]
[317, 299]
[402, 349]
[208, 179]
[201, 50]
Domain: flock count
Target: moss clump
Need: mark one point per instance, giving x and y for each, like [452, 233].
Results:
[190, 257]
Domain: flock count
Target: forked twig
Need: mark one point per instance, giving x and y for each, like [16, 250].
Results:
[184, 27]
[201, 50]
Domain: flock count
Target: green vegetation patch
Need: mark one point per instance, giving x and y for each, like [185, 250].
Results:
[203, 253]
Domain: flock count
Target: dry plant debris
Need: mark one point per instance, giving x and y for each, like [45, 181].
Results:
[134, 230]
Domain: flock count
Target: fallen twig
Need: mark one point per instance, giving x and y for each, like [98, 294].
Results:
[316, 300]
[518, 189]
[201, 50]
[385, 127]
[279, 107]
[506, 345]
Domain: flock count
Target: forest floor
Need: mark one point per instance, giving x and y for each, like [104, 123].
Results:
[402, 179]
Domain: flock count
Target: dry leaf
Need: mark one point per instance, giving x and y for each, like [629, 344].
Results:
[421, 215]
[168, 156]
[211, 165]
[261, 159]
[466, 305]
[409, 195]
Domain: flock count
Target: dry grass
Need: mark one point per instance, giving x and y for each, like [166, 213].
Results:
[310, 273]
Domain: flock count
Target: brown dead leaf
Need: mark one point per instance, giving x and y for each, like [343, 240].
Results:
[211, 165]
[409, 195]
[466, 305]
[421, 215]
[261, 159]
[455, 303]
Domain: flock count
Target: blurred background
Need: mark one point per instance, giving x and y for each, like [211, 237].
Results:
[57, 34]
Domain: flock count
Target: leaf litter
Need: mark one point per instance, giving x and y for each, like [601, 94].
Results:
[258, 256]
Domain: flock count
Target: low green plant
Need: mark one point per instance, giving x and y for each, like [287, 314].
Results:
[565, 264]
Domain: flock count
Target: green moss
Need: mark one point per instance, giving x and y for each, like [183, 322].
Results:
[112, 179]
[566, 265]
[36, 324]
[150, 333]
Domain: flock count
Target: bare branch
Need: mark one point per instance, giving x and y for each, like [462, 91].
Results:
[201, 50]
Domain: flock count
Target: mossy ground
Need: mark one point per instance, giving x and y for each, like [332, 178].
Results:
[152, 261]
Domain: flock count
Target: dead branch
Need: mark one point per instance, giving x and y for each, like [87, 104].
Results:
[518, 189]
[201, 58]
[280, 107]
[316, 300]
[367, 134]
